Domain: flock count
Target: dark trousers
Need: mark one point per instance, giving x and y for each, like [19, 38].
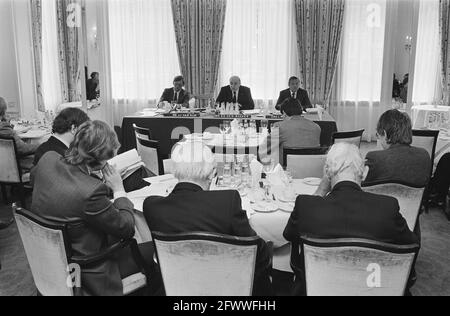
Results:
[127, 267]
[441, 179]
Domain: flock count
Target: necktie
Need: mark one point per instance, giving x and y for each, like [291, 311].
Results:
[175, 96]
[234, 100]
[293, 95]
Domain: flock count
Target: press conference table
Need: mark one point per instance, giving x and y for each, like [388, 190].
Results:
[167, 130]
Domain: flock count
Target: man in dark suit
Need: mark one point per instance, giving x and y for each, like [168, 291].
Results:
[294, 91]
[191, 207]
[64, 128]
[92, 83]
[236, 93]
[340, 209]
[176, 94]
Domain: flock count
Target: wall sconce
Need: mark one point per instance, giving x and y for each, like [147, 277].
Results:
[408, 43]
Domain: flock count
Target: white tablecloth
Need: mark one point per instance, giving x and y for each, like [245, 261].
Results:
[269, 226]
[430, 116]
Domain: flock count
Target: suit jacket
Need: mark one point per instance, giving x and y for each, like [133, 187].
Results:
[23, 149]
[292, 132]
[52, 144]
[244, 97]
[302, 96]
[68, 194]
[91, 89]
[191, 209]
[348, 212]
[399, 163]
[183, 96]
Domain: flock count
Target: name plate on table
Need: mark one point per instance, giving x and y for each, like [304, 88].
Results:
[181, 114]
[274, 116]
[233, 116]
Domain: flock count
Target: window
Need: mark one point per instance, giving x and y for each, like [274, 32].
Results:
[144, 57]
[260, 45]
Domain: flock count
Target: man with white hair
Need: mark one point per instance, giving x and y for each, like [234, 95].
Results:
[340, 209]
[191, 207]
[236, 93]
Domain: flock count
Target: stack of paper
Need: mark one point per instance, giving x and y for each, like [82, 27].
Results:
[127, 163]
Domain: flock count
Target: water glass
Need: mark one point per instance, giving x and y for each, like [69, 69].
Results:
[227, 175]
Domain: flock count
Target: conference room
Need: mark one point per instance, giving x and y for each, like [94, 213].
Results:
[225, 148]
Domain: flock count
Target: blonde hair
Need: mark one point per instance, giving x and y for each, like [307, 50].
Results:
[94, 143]
[193, 161]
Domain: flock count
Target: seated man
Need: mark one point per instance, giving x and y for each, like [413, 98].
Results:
[25, 151]
[398, 161]
[295, 92]
[340, 209]
[64, 128]
[441, 184]
[294, 131]
[235, 93]
[176, 94]
[191, 207]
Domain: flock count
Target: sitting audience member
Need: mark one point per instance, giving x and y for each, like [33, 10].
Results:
[441, 183]
[398, 161]
[67, 191]
[24, 150]
[340, 209]
[64, 128]
[294, 131]
[191, 207]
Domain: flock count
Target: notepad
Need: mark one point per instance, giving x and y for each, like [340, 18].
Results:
[127, 163]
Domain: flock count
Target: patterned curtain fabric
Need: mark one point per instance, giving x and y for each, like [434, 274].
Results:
[36, 16]
[319, 28]
[199, 26]
[69, 63]
[444, 31]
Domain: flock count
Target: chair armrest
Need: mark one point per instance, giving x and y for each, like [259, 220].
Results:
[102, 256]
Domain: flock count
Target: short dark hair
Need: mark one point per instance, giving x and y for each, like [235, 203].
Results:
[292, 79]
[68, 117]
[291, 107]
[178, 79]
[94, 74]
[396, 126]
[94, 143]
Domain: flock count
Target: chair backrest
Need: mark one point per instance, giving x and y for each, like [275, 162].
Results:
[409, 198]
[356, 267]
[305, 162]
[9, 164]
[426, 139]
[205, 264]
[149, 152]
[142, 132]
[46, 250]
[352, 137]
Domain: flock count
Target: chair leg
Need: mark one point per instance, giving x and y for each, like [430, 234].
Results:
[4, 194]
[22, 196]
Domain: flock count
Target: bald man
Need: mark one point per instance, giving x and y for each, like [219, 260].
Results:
[236, 93]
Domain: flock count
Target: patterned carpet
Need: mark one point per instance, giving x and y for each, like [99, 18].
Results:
[433, 265]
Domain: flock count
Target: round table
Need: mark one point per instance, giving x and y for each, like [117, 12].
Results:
[430, 116]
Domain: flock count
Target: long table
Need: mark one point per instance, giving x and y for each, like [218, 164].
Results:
[167, 130]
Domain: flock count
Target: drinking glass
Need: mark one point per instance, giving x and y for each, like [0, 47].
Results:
[227, 175]
[223, 129]
[227, 126]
